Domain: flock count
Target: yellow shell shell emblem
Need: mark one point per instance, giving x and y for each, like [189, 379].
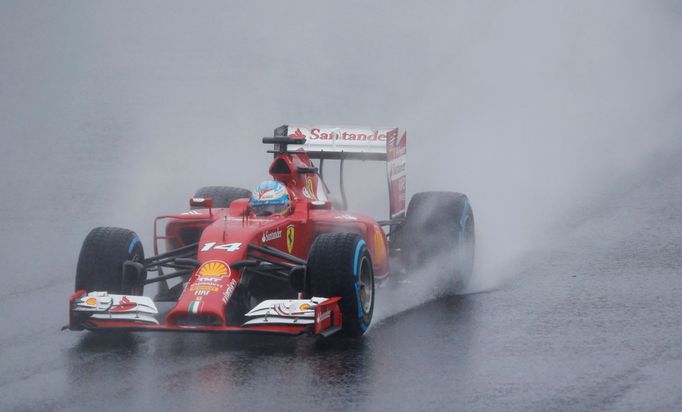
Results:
[214, 268]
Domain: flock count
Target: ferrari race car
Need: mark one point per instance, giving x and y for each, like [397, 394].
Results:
[311, 269]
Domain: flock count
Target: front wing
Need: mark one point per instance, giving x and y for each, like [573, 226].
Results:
[104, 311]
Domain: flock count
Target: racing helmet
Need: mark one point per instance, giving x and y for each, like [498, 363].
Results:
[270, 197]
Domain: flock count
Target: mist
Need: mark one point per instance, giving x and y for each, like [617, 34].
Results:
[533, 109]
[559, 119]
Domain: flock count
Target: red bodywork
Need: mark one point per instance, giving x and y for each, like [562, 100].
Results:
[226, 234]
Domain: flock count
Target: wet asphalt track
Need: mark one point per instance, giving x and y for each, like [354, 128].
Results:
[592, 323]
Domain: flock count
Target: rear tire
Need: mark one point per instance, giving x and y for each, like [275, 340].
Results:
[223, 195]
[441, 229]
[339, 264]
[100, 263]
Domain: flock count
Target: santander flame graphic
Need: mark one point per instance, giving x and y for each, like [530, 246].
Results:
[297, 134]
[123, 305]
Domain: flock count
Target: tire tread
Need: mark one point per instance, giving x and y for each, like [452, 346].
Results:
[330, 265]
[100, 262]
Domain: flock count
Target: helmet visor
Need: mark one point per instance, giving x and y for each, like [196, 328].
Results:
[268, 209]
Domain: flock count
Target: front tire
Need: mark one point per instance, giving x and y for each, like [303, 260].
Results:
[339, 264]
[100, 263]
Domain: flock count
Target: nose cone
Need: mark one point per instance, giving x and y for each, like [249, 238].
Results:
[205, 297]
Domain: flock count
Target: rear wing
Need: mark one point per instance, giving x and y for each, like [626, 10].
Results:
[360, 144]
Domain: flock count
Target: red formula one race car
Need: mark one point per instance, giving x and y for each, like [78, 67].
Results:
[284, 259]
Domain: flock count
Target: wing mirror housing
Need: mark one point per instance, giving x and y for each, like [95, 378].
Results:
[205, 202]
[239, 207]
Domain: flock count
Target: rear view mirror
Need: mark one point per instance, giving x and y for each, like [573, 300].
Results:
[205, 202]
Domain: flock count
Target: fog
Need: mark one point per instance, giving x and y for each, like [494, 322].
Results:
[533, 109]
[559, 119]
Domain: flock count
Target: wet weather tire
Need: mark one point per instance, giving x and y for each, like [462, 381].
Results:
[339, 264]
[100, 263]
[441, 232]
[223, 195]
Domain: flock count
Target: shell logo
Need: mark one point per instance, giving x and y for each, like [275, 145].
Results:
[214, 268]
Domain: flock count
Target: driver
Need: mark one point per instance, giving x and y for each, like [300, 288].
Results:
[269, 198]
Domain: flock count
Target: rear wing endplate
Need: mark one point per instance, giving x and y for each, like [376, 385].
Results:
[384, 144]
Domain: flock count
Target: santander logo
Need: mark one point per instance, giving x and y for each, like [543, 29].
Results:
[349, 135]
[268, 236]
[369, 135]
[298, 134]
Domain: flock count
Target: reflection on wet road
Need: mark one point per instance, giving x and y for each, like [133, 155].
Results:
[181, 371]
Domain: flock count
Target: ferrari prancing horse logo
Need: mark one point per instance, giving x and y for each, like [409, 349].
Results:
[291, 235]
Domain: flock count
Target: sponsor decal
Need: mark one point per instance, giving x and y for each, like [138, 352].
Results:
[291, 236]
[304, 307]
[279, 310]
[309, 189]
[123, 305]
[214, 268]
[90, 301]
[267, 194]
[346, 217]
[392, 137]
[206, 280]
[323, 316]
[229, 291]
[200, 293]
[298, 134]
[194, 307]
[396, 156]
[268, 236]
[372, 136]
[207, 288]
[397, 167]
